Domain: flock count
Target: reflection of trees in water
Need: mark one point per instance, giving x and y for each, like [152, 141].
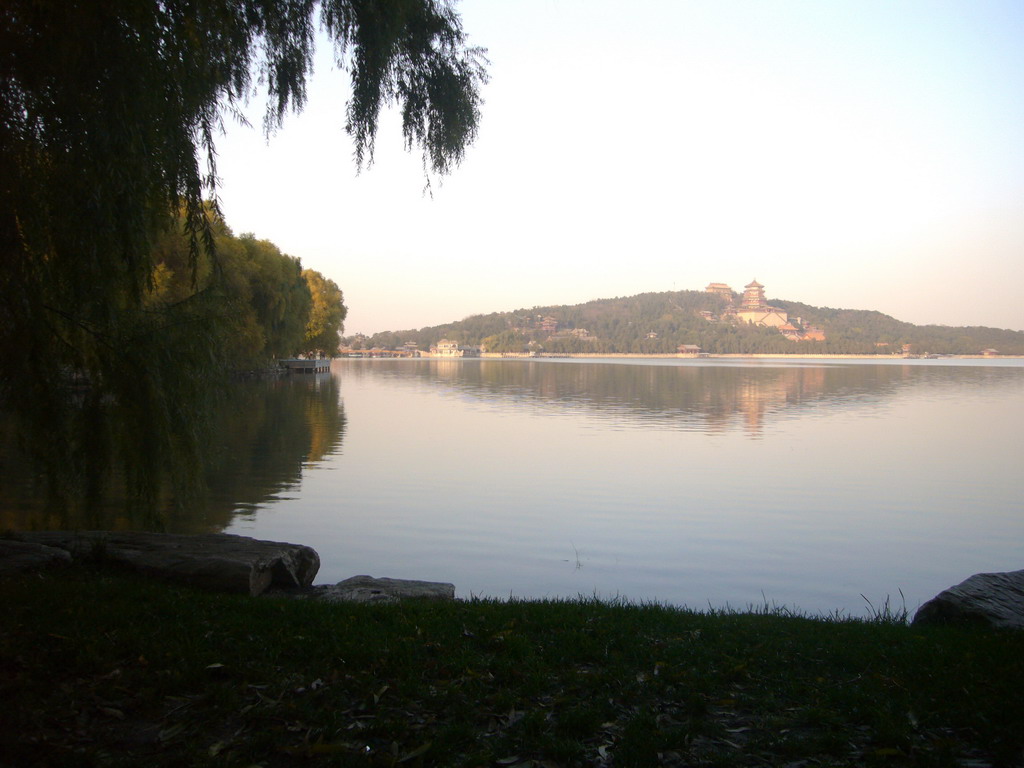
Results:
[270, 431]
[264, 435]
[704, 396]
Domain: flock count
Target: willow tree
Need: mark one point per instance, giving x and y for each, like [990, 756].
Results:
[108, 117]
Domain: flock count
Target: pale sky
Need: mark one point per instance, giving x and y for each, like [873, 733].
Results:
[857, 154]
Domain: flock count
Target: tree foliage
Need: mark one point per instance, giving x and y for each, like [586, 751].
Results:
[263, 303]
[326, 315]
[108, 116]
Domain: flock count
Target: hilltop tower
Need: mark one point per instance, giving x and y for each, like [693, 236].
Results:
[753, 298]
[754, 308]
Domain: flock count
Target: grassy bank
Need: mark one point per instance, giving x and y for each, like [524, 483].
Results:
[103, 668]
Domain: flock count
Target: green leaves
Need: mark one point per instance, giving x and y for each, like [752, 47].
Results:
[412, 53]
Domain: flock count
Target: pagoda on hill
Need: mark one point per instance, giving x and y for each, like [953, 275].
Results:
[754, 308]
[753, 297]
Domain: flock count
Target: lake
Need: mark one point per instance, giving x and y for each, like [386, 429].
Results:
[819, 485]
[810, 484]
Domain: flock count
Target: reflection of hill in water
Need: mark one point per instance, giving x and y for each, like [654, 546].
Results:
[692, 395]
[264, 435]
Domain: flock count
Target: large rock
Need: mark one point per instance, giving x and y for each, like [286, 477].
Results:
[217, 561]
[987, 599]
[17, 556]
[366, 589]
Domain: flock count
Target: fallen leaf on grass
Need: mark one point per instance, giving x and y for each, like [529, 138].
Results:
[415, 753]
[170, 732]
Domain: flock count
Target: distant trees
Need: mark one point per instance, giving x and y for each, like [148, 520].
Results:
[657, 323]
[505, 342]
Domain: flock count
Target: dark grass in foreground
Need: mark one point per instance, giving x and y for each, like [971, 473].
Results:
[98, 667]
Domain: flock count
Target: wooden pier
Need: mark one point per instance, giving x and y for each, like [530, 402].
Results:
[301, 365]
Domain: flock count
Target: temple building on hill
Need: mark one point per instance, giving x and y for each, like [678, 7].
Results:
[752, 307]
[721, 290]
[800, 332]
[753, 296]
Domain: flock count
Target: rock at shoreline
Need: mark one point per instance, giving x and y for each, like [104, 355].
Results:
[217, 561]
[17, 556]
[366, 589]
[993, 600]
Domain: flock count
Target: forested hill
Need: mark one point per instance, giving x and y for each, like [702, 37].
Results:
[660, 322]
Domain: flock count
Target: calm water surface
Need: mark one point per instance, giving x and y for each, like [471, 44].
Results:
[814, 485]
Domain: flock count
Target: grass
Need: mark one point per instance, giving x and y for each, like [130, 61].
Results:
[98, 667]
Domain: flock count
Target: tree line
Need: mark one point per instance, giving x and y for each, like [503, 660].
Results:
[257, 303]
[658, 323]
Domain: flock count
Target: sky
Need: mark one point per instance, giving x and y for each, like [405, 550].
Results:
[864, 155]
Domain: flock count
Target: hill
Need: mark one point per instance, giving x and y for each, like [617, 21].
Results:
[658, 323]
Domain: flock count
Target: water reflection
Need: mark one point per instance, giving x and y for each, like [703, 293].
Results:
[270, 433]
[701, 396]
[267, 433]
[863, 478]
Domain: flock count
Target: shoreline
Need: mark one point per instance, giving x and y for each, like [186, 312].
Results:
[677, 356]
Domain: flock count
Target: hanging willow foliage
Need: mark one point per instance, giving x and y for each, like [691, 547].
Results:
[108, 114]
